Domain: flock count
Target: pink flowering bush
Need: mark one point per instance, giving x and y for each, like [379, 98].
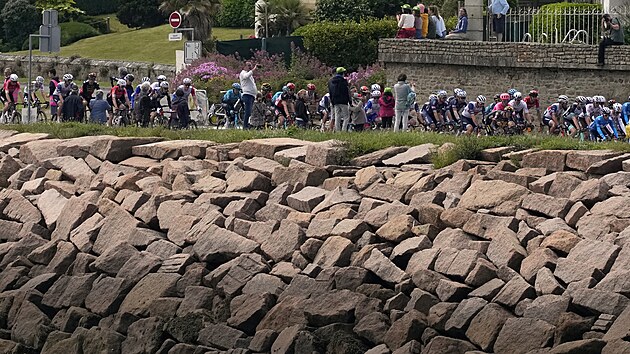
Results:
[372, 74]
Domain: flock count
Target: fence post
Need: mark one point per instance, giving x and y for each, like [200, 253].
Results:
[107, 24]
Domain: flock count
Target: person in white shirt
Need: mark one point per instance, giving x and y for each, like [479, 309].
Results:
[249, 90]
[406, 23]
[440, 26]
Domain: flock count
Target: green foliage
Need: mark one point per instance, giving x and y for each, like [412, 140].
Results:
[74, 31]
[98, 7]
[64, 7]
[449, 8]
[197, 14]
[342, 10]
[236, 13]
[141, 14]
[349, 44]
[20, 19]
[550, 21]
[289, 15]
[451, 22]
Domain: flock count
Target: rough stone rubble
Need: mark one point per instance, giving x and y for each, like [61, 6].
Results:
[135, 245]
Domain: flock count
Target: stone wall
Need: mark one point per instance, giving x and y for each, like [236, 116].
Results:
[489, 67]
[80, 67]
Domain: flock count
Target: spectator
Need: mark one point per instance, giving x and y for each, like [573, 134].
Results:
[425, 21]
[181, 107]
[613, 35]
[259, 113]
[99, 108]
[357, 113]
[417, 22]
[431, 30]
[248, 85]
[401, 93]
[52, 86]
[440, 26]
[406, 23]
[301, 111]
[386, 105]
[73, 105]
[498, 9]
[462, 26]
[340, 99]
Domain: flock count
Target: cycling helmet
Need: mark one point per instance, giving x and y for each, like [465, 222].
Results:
[432, 97]
[285, 89]
[365, 89]
[376, 93]
[13, 77]
[509, 109]
[376, 87]
[74, 87]
[580, 99]
[456, 90]
[161, 78]
[187, 81]
[311, 87]
[130, 77]
[563, 98]
[611, 102]
[481, 99]
[589, 99]
[68, 77]
[291, 86]
[512, 91]
[92, 76]
[122, 82]
[617, 107]
[266, 87]
[533, 93]
[606, 110]
[39, 80]
[145, 79]
[497, 97]
[505, 96]
[518, 95]
[442, 94]
[164, 84]
[461, 94]
[601, 99]
[235, 85]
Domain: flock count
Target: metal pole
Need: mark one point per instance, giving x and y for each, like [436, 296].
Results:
[30, 69]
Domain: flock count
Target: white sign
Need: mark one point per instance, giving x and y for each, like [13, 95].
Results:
[175, 37]
[192, 51]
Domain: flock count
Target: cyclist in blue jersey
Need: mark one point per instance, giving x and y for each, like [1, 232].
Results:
[229, 101]
[469, 112]
[552, 114]
[603, 126]
[625, 111]
[455, 105]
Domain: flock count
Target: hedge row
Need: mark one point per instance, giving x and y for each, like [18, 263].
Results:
[349, 44]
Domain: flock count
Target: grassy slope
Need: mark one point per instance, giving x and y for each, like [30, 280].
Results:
[150, 44]
[358, 143]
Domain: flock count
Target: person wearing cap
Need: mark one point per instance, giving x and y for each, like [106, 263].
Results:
[340, 98]
[417, 22]
[406, 23]
[99, 108]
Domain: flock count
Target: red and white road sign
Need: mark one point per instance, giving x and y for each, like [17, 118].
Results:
[175, 19]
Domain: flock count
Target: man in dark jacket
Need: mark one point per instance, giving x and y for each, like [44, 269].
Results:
[181, 107]
[73, 105]
[340, 99]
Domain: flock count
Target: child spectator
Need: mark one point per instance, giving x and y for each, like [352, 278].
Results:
[259, 112]
[301, 111]
[357, 113]
[386, 105]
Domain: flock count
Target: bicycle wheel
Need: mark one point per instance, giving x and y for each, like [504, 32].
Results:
[41, 116]
[16, 118]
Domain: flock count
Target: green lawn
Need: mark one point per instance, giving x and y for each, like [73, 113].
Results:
[149, 45]
[358, 143]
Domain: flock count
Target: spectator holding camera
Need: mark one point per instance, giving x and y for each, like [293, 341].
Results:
[612, 35]
[248, 85]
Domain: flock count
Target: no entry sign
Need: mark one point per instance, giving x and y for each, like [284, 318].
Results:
[175, 19]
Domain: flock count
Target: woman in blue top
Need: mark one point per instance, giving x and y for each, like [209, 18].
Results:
[462, 27]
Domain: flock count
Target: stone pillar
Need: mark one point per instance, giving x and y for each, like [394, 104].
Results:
[475, 19]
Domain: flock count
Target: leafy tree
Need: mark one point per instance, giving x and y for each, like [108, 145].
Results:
[64, 7]
[289, 15]
[20, 18]
[141, 14]
[342, 10]
[236, 13]
[197, 14]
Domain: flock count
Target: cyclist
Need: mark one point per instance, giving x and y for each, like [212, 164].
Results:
[63, 90]
[324, 108]
[372, 108]
[441, 105]
[618, 119]
[554, 112]
[625, 111]
[455, 105]
[312, 98]
[129, 87]
[603, 125]
[572, 115]
[285, 104]
[189, 90]
[469, 112]
[30, 93]
[429, 112]
[158, 96]
[532, 102]
[594, 109]
[156, 85]
[11, 91]
[89, 87]
[520, 109]
[511, 92]
[138, 88]
[118, 98]
[52, 86]
[266, 91]
[490, 107]
[230, 98]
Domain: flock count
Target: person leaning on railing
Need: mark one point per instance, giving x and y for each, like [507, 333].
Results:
[613, 35]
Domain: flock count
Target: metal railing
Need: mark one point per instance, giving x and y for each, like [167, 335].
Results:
[570, 25]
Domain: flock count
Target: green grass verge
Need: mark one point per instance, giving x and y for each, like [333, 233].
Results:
[358, 143]
[146, 45]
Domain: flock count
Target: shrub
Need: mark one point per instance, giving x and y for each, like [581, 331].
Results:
[236, 13]
[141, 14]
[350, 44]
[74, 31]
[449, 8]
[451, 23]
[549, 18]
[98, 7]
[20, 18]
[342, 10]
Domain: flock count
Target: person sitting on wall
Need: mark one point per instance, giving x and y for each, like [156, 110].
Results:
[406, 27]
[613, 35]
[462, 27]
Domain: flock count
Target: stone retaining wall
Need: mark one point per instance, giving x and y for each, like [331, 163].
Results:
[80, 67]
[137, 245]
[488, 67]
